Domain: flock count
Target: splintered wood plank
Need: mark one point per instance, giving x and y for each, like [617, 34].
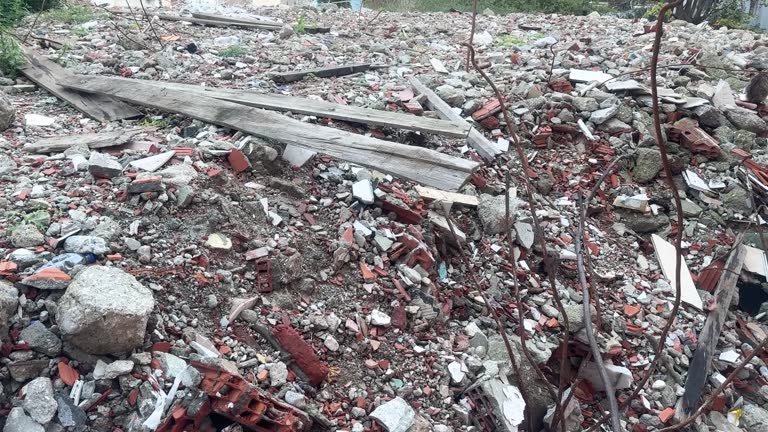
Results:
[324, 72]
[215, 23]
[413, 163]
[231, 19]
[93, 141]
[710, 334]
[45, 74]
[438, 195]
[475, 138]
[315, 108]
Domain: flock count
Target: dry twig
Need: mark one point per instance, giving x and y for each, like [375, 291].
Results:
[471, 36]
[678, 206]
[511, 130]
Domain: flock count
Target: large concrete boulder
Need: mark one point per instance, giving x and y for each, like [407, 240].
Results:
[105, 311]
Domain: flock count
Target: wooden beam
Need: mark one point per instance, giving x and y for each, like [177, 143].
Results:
[699, 370]
[413, 163]
[45, 74]
[313, 107]
[443, 196]
[93, 141]
[214, 23]
[231, 19]
[324, 72]
[475, 138]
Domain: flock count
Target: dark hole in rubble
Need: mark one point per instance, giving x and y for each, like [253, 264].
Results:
[220, 422]
[752, 295]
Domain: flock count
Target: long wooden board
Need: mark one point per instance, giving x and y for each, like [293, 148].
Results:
[45, 74]
[313, 107]
[225, 18]
[93, 141]
[324, 72]
[420, 165]
[475, 138]
[214, 23]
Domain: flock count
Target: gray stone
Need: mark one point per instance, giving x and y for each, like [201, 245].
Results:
[41, 339]
[525, 234]
[690, 208]
[643, 223]
[39, 401]
[102, 165]
[492, 212]
[603, 115]
[7, 165]
[7, 112]
[107, 229]
[395, 415]
[451, 95]
[178, 175]
[27, 236]
[86, 244]
[709, 116]
[647, 165]
[358, 412]
[9, 302]
[70, 415]
[748, 120]
[575, 314]
[581, 104]
[26, 370]
[737, 199]
[174, 366]
[755, 418]
[105, 301]
[614, 126]
[17, 421]
[278, 374]
[296, 399]
[331, 343]
[112, 370]
[744, 139]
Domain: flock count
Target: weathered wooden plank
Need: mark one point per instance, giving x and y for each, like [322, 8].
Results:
[475, 138]
[324, 72]
[45, 73]
[438, 195]
[240, 20]
[93, 141]
[316, 108]
[214, 23]
[413, 163]
[710, 334]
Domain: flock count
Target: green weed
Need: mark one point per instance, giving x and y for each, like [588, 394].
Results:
[71, 14]
[233, 51]
[301, 25]
[11, 57]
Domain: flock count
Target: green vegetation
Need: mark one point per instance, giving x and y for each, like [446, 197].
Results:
[11, 12]
[79, 31]
[507, 40]
[71, 14]
[653, 12]
[301, 25]
[154, 121]
[11, 58]
[233, 51]
[563, 7]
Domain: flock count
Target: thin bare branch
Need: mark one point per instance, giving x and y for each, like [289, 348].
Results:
[471, 35]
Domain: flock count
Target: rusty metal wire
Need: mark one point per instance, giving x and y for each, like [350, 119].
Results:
[678, 206]
[512, 132]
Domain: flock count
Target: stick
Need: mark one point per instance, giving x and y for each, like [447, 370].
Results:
[471, 35]
[678, 207]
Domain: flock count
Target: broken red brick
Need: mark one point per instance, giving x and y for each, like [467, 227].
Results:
[414, 107]
[302, 352]
[238, 160]
[631, 310]
[666, 415]
[489, 109]
[48, 278]
[7, 266]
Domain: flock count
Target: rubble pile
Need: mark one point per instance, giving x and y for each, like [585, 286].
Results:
[164, 273]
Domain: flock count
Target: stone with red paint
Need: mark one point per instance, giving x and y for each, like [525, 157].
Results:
[49, 278]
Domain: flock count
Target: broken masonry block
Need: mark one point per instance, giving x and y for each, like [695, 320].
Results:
[302, 353]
